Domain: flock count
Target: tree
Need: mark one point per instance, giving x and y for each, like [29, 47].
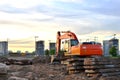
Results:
[33, 52]
[113, 51]
[10, 52]
[47, 52]
[52, 51]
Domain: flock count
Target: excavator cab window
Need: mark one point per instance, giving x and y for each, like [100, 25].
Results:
[74, 42]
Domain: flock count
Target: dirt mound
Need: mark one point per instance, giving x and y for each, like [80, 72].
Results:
[41, 71]
[41, 59]
[3, 59]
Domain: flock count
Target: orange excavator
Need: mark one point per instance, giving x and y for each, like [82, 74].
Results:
[68, 42]
[69, 51]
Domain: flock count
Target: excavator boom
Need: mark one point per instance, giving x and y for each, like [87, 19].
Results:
[65, 35]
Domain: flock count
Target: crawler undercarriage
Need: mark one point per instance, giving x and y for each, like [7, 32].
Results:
[93, 66]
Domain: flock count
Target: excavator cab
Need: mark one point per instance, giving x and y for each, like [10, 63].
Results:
[67, 44]
[74, 42]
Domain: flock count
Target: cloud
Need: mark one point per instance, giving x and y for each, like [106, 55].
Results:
[106, 7]
[22, 18]
[21, 4]
[20, 41]
[4, 22]
[70, 14]
[10, 9]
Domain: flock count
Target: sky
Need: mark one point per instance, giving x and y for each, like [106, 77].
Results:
[22, 20]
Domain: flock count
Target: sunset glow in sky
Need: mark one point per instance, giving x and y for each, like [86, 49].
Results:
[22, 20]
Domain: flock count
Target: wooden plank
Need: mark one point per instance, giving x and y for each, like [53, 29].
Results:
[111, 74]
[75, 68]
[65, 62]
[76, 64]
[103, 74]
[100, 63]
[110, 70]
[91, 71]
[75, 59]
[101, 66]
[73, 71]
[103, 59]
[92, 75]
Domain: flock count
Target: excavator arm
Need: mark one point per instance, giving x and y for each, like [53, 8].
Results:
[63, 35]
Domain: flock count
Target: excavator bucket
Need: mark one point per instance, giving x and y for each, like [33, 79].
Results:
[55, 59]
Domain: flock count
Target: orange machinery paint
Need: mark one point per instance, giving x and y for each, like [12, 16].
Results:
[87, 49]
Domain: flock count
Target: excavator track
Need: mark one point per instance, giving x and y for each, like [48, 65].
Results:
[93, 66]
[102, 66]
[74, 64]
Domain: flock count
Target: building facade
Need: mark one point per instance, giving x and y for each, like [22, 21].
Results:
[115, 42]
[106, 48]
[51, 45]
[3, 48]
[107, 44]
[39, 48]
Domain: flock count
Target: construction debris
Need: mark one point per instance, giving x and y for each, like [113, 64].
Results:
[3, 69]
[16, 78]
[41, 70]
[3, 59]
[18, 62]
[101, 66]
[41, 59]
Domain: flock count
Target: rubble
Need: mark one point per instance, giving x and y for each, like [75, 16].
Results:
[18, 62]
[3, 59]
[16, 78]
[42, 70]
[3, 69]
[41, 59]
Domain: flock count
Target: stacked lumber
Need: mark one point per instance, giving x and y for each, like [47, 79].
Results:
[102, 66]
[75, 65]
[18, 62]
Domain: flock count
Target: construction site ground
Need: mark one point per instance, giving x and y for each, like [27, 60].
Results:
[41, 69]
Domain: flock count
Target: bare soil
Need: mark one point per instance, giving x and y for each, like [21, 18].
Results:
[41, 69]
[43, 72]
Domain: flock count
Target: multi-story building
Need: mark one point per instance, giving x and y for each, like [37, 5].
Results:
[39, 48]
[114, 42]
[107, 44]
[3, 48]
[51, 45]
